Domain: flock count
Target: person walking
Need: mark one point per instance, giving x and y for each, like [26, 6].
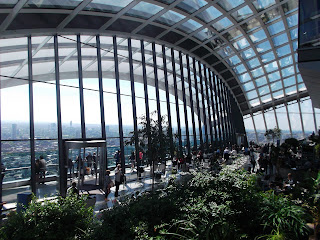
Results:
[117, 174]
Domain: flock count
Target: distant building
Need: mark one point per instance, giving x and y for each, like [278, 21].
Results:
[14, 132]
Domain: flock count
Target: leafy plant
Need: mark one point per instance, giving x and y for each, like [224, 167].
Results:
[153, 137]
[273, 134]
[63, 218]
[280, 213]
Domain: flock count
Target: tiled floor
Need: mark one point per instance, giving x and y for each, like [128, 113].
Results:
[131, 187]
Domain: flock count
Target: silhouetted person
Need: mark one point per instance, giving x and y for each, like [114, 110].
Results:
[43, 169]
[73, 189]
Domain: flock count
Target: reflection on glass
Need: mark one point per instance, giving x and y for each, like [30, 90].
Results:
[271, 15]
[276, 28]
[279, 40]
[261, 81]
[249, 53]
[71, 4]
[191, 6]
[107, 5]
[204, 34]
[222, 24]
[189, 26]
[170, 18]
[253, 63]
[257, 72]
[270, 67]
[267, 57]
[276, 86]
[258, 36]
[241, 44]
[232, 34]
[263, 47]
[263, 4]
[251, 25]
[242, 13]
[144, 10]
[209, 14]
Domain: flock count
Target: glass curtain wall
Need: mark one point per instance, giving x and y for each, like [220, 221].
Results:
[98, 100]
[296, 119]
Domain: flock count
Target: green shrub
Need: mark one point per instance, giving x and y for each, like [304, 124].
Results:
[279, 213]
[63, 218]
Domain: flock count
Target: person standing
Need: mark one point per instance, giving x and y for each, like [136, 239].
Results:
[94, 161]
[252, 158]
[133, 161]
[117, 175]
[107, 185]
[43, 169]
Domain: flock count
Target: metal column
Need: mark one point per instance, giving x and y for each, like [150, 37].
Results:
[116, 71]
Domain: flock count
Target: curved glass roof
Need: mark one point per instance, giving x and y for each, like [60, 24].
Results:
[250, 44]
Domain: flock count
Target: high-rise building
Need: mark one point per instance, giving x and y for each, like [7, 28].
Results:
[14, 131]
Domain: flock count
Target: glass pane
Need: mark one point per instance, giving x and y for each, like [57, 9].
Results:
[257, 72]
[263, 47]
[295, 120]
[111, 115]
[70, 4]
[276, 86]
[263, 90]
[170, 18]
[292, 20]
[209, 14]
[263, 4]
[267, 57]
[276, 28]
[249, 53]
[281, 113]
[253, 63]
[283, 50]
[258, 36]
[281, 39]
[259, 122]
[16, 158]
[233, 60]
[204, 34]
[191, 6]
[241, 44]
[261, 81]
[249, 128]
[271, 15]
[222, 24]
[8, 3]
[189, 26]
[274, 76]
[230, 4]
[270, 119]
[144, 10]
[107, 5]
[242, 13]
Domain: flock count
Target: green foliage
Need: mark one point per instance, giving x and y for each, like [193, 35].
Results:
[228, 205]
[292, 142]
[63, 218]
[137, 218]
[280, 213]
[153, 137]
[273, 134]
